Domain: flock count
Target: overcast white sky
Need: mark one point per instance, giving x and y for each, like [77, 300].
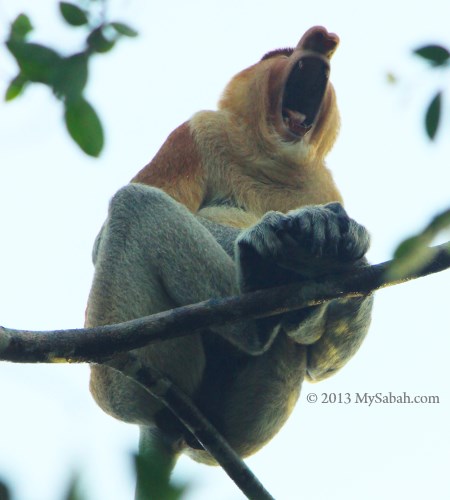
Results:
[53, 200]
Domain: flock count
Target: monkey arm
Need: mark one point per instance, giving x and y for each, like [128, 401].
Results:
[307, 244]
[243, 333]
[332, 332]
[224, 235]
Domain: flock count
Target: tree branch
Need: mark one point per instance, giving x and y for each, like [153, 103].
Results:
[98, 344]
[185, 410]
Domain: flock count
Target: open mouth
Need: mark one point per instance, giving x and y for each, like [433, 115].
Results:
[303, 94]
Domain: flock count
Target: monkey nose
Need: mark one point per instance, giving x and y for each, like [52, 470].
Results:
[317, 39]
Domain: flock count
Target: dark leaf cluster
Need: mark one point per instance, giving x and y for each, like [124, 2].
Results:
[66, 76]
[438, 57]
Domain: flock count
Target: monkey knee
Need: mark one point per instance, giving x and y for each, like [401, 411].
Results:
[122, 398]
[135, 206]
[131, 198]
[181, 360]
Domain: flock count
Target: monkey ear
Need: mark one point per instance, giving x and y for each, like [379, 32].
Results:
[177, 169]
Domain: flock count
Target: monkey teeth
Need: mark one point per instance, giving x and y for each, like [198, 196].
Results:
[295, 121]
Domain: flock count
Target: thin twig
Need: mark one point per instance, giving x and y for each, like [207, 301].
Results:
[99, 344]
[191, 417]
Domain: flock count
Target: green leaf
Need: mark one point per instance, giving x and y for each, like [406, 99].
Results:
[4, 491]
[84, 126]
[72, 14]
[16, 87]
[432, 116]
[124, 29]
[20, 27]
[435, 54]
[439, 223]
[71, 77]
[412, 254]
[73, 491]
[409, 246]
[36, 62]
[97, 42]
[153, 478]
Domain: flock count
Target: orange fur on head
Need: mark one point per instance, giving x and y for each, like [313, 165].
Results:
[256, 95]
[264, 148]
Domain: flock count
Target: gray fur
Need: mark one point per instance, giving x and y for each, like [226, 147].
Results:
[154, 255]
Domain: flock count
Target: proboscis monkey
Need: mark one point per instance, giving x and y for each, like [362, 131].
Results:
[235, 200]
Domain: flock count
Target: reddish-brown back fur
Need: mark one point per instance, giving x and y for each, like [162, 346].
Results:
[177, 169]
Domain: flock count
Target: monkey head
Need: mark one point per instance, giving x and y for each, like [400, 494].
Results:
[287, 97]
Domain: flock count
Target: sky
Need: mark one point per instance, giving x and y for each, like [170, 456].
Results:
[53, 200]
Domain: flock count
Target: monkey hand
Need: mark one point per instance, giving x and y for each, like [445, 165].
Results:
[312, 241]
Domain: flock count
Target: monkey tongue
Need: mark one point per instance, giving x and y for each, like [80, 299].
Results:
[295, 121]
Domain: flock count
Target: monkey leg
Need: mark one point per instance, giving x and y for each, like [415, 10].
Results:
[152, 255]
[254, 398]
